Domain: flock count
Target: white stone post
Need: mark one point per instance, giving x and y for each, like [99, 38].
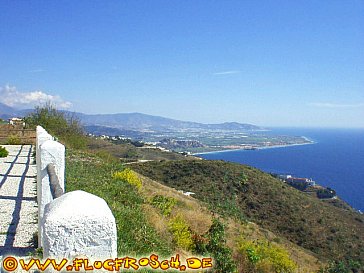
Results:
[41, 137]
[79, 224]
[50, 152]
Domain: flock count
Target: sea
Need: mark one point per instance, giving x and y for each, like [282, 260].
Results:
[335, 160]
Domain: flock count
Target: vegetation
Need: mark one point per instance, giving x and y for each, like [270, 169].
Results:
[215, 245]
[152, 218]
[128, 176]
[135, 143]
[342, 267]
[59, 124]
[128, 152]
[266, 257]
[136, 236]
[298, 185]
[68, 129]
[164, 204]
[3, 152]
[13, 140]
[328, 231]
[181, 233]
[326, 193]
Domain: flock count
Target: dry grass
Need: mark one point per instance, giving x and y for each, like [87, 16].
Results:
[200, 219]
[242, 192]
[306, 261]
[197, 216]
[159, 222]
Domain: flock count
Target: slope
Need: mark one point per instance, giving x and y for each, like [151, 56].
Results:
[144, 227]
[247, 193]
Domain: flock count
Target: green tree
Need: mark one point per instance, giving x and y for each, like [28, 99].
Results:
[64, 126]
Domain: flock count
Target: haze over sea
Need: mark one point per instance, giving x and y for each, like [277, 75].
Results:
[336, 160]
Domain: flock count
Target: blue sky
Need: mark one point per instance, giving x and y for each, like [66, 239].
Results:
[270, 63]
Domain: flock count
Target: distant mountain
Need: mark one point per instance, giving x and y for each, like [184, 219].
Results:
[233, 126]
[143, 122]
[7, 111]
[136, 122]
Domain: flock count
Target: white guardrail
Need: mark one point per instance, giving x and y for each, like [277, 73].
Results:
[73, 224]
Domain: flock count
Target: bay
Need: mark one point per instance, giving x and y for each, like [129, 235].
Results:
[335, 159]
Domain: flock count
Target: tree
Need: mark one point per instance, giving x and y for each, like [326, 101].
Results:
[59, 124]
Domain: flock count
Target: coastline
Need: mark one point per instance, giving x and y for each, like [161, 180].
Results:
[259, 148]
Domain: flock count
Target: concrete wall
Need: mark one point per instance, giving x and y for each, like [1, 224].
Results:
[77, 223]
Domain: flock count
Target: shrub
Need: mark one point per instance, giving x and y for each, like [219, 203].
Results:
[325, 193]
[181, 233]
[136, 235]
[13, 140]
[217, 248]
[128, 176]
[342, 267]
[3, 152]
[65, 126]
[165, 204]
[266, 257]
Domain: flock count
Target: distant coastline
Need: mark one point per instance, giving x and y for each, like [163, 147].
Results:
[309, 142]
[334, 161]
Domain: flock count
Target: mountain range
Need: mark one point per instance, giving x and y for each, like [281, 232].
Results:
[136, 122]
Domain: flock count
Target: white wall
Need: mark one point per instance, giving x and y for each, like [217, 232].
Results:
[77, 223]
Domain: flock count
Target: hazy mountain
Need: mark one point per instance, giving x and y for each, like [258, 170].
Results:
[136, 122]
[7, 111]
[143, 122]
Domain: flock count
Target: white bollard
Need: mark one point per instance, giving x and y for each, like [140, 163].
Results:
[79, 224]
[42, 136]
[50, 152]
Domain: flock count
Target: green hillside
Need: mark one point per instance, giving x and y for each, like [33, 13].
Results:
[246, 220]
[154, 218]
[249, 194]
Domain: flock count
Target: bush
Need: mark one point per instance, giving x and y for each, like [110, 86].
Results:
[342, 267]
[266, 257]
[3, 152]
[13, 140]
[136, 235]
[165, 204]
[181, 233]
[64, 126]
[326, 193]
[128, 176]
[217, 248]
